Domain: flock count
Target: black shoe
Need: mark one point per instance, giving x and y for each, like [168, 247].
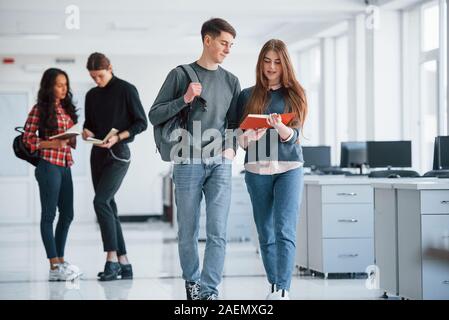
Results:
[111, 271]
[126, 271]
[192, 290]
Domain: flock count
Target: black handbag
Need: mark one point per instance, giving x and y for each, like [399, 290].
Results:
[21, 151]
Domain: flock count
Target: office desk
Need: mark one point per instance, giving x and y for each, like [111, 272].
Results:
[386, 231]
[339, 215]
[423, 226]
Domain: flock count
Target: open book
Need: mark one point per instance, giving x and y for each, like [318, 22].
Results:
[70, 133]
[105, 140]
[259, 121]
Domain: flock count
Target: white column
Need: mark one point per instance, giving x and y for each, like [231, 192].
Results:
[357, 78]
[327, 94]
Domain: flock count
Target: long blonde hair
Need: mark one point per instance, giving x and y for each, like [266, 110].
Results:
[295, 97]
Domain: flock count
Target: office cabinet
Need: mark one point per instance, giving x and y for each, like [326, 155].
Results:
[340, 225]
[423, 229]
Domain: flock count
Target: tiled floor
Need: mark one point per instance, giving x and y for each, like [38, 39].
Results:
[152, 250]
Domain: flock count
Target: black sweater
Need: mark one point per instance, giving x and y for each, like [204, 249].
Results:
[117, 105]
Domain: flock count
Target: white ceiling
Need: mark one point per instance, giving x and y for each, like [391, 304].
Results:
[164, 26]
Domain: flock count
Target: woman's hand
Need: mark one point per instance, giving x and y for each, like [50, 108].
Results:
[254, 135]
[87, 134]
[229, 154]
[59, 143]
[275, 121]
[111, 141]
[249, 136]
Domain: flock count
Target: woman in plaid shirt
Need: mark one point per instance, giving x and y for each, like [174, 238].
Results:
[54, 113]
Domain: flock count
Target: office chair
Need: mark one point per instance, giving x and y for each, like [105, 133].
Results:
[393, 174]
[442, 173]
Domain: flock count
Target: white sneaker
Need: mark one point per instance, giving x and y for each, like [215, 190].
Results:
[271, 291]
[279, 295]
[62, 274]
[73, 268]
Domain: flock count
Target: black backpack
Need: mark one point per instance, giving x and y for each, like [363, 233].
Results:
[166, 143]
[21, 151]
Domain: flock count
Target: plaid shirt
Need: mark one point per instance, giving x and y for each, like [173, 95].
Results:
[61, 157]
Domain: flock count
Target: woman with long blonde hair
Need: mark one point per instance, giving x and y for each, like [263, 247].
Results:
[273, 162]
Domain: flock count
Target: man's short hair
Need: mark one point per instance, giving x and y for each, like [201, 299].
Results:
[215, 26]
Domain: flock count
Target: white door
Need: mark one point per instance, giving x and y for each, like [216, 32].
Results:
[17, 183]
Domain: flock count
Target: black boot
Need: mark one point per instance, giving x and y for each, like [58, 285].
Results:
[111, 271]
[127, 271]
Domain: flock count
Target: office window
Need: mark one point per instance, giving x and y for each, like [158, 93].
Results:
[430, 107]
[424, 79]
[429, 111]
[309, 75]
[430, 27]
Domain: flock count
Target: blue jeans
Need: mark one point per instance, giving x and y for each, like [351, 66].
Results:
[56, 191]
[276, 201]
[191, 181]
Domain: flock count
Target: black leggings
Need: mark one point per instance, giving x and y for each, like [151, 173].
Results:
[109, 167]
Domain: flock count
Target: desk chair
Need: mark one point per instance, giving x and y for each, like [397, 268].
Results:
[442, 173]
[393, 174]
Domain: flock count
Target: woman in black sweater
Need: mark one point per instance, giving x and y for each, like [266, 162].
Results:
[114, 103]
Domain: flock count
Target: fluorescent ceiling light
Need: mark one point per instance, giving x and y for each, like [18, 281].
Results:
[38, 36]
[31, 36]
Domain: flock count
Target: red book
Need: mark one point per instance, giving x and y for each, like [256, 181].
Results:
[259, 121]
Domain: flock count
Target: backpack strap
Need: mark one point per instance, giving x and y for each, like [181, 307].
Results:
[189, 72]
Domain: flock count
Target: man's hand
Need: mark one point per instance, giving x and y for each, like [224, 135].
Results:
[194, 90]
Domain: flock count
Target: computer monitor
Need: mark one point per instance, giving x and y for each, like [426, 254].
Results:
[352, 154]
[441, 153]
[317, 156]
[383, 154]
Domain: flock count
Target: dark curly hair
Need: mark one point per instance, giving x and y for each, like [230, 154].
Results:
[46, 101]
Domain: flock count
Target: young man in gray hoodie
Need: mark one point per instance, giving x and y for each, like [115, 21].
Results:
[205, 167]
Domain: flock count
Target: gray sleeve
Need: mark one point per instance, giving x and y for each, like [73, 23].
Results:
[233, 119]
[294, 138]
[170, 99]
